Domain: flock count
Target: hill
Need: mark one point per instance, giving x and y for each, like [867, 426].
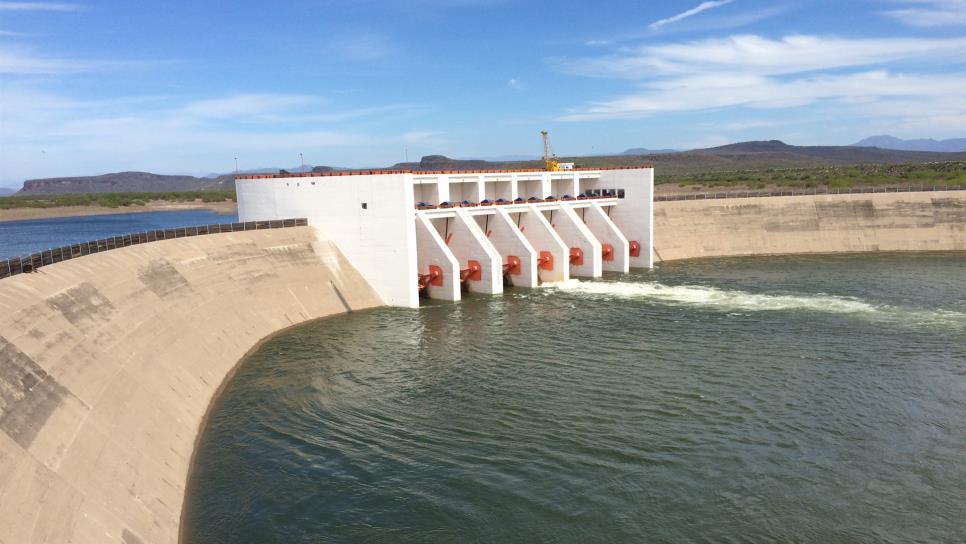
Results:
[925, 144]
[756, 155]
[7, 192]
[673, 167]
[645, 151]
[125, 182]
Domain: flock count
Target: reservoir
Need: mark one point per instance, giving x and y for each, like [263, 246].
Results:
[19, 238]
[790, 399]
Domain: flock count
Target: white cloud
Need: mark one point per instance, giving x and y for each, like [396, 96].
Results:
[930, 13]
[703, 92]
[756, 54]
[515, 83]
[162, 133]
[761, 73]
[38, 6]
[703, 6]
[26, 62]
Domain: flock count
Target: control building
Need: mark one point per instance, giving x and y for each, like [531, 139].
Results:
[439, 234]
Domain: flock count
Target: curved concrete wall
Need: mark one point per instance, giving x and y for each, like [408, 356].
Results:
[108, 364]
[926, 221]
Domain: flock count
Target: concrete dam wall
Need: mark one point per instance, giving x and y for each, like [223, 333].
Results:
[108, 364]
[923, 221]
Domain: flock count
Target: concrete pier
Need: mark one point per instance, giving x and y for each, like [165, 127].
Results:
[471, 247]
[553, 255]
[510, 242]
[585, 248]
[610, 236]
[432, 257]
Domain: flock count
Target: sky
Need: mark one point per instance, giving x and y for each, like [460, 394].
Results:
[186, 87]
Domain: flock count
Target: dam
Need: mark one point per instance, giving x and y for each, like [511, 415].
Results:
[109, 362]
[436, 233]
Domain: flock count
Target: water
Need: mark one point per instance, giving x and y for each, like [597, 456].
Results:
[19, 238]
[790, 399]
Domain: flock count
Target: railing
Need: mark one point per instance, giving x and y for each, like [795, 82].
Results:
[30, 263]
[809, 192]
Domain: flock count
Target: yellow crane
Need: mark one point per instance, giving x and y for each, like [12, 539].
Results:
[550, 161]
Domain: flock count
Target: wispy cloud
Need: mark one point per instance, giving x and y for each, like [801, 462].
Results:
[514, 83]
[24, 61]
[756, 54]
[245, 106]
[703, 6]
[38, 6]
[422, 137]
[15, 60]
[930, 13]
[148, 132]
[362, 46]
[761, 73]
[751, 91]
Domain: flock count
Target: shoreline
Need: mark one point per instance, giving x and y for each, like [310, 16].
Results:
[25, 214]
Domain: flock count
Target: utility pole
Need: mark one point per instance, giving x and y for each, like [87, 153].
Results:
[407, 154]
[302, 159]
[236, 166]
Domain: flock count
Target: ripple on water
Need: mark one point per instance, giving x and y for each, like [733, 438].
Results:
[819, 401]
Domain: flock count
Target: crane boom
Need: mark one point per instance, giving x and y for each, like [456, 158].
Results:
[550, 161]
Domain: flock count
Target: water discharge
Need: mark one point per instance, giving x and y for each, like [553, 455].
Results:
[799, 399]
[736, 300]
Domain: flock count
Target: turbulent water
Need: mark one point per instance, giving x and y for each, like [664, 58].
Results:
[798, 399]
[18, 238]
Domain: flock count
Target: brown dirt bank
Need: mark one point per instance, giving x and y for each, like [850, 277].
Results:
[23, 214]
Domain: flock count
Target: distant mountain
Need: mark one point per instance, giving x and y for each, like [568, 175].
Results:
[926, 144]
[125, 182]
[7, 192]
[756, 155]
[503, 158]
[832, 154]
[441, 162]
[645, 151]
[275, 170]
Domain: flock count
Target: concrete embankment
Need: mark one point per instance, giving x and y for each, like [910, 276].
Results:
[109, 362]
[923, 221]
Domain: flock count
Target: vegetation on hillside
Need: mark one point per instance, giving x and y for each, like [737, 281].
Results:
[925, 174]
[112, 200]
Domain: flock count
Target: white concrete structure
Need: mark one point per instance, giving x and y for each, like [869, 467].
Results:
[443, 233]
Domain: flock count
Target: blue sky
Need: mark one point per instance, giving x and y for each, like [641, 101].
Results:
[184, 87]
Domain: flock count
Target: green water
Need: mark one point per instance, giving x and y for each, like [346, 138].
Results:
[792, 399]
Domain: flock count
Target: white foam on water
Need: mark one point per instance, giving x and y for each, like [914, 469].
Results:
[735, 300]
[568, 284]
[697, 295]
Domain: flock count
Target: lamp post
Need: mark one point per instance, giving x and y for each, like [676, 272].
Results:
[236, 165]
[302, 160]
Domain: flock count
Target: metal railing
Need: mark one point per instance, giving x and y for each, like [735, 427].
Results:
[30, 263]
[810, 192]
